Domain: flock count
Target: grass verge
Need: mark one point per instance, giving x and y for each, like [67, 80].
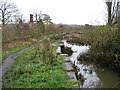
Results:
[15, 46]
[6, 53]
[38, 67]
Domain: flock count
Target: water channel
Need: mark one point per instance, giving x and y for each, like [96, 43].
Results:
[94, 76]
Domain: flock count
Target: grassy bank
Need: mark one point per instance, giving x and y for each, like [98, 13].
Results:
[18, 36]
[15, 46]
[38, 67]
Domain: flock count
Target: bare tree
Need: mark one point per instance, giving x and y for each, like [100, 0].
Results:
[39, 19]
[119, 17]
[20, 19]
[8, 10]
[112, 8]
[47, 19]
[38, 15]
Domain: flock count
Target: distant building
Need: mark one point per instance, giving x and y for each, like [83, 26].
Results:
[31, 18]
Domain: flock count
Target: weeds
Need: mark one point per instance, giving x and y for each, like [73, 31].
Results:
[15, 46]
[105, 48]
[20, 35]
[38, 67]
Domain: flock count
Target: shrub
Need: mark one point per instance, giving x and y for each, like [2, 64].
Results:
[105, 48]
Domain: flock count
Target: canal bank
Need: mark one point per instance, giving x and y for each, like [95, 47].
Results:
[90, 74]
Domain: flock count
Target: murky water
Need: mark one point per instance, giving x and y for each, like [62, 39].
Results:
[95, 77]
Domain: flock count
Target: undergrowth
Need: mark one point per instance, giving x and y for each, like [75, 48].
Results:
[105, 47]
[16, 46]
[38, 67]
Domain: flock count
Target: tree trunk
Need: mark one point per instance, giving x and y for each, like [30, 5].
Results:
[109, 4]
[3, 18]
[119, 19]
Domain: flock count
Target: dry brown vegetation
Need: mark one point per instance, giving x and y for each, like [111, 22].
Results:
[79, 37]
[14, 36]
[17, 35]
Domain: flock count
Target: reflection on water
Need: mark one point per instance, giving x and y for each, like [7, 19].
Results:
[94, 78]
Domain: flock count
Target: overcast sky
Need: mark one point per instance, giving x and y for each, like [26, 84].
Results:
[66, 11]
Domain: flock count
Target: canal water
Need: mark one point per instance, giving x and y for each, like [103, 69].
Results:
[94, 76]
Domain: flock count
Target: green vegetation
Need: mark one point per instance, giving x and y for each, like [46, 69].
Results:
[15, 46]
[104, 42]
[41, 66]
[105, 47]
[6, 53]
[42, 26]
[38, 67]
[18, 36]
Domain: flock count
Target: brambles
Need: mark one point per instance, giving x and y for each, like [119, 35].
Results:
[46, 50]
[105, 48]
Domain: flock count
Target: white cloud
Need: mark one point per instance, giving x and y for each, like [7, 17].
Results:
[66, 11]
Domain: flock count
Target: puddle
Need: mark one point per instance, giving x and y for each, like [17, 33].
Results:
[93, 78]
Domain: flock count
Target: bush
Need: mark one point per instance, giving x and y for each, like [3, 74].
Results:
[105, 48]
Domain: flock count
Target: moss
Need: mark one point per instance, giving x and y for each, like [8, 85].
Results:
[67, 61]
[74, 83]
[71, 70]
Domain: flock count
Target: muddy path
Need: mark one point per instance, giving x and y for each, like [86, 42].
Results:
[10, 60]
[7, 63]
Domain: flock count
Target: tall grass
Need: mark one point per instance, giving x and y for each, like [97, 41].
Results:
[16, 35]
[18, 31]
[52, 29]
